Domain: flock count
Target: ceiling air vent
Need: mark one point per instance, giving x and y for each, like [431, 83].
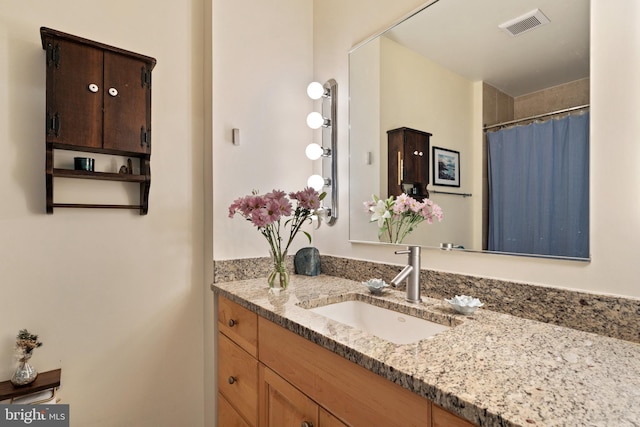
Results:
[524, 23]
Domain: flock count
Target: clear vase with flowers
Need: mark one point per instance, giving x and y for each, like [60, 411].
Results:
[279, 221]
[26, 342]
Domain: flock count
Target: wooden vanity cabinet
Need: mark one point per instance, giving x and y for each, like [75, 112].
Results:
[270, 377]
[98, 100]
[408, 161]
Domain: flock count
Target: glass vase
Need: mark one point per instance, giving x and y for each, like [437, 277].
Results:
[25, 374]
[279, 277]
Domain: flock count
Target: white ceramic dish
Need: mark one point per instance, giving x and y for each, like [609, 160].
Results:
[464, 304]
[376, 286]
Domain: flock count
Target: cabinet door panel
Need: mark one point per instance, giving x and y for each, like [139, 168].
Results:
[227, 416]
[68, 95]
[416, 163]
[283, 405]
[125, 111]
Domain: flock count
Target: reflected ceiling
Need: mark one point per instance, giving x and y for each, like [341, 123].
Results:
[473, 46]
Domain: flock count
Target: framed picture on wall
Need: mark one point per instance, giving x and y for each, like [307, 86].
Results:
[446, 167]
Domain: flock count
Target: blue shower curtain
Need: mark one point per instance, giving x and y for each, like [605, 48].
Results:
[539, 188]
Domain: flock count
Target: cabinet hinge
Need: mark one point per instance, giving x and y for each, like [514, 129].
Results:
[53, 124]
[53, 55]
[145, 77]
[145, 137]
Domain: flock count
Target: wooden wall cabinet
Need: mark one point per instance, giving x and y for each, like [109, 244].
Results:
[408, 162]
[271, 377]
[98, 100]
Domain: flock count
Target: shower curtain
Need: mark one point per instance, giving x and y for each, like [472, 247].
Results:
[539, 188]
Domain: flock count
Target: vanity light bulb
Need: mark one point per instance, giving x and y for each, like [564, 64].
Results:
[314, 151]
[316, 182]
[315, 120]
[315, 90]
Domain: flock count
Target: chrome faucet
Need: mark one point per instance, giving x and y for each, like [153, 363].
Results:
[412, 273]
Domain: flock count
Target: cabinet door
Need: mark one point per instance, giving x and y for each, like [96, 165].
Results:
[283, 405]
[395, 163]
[227, 416]
[74, 108]
[416, 158]
[127, 101]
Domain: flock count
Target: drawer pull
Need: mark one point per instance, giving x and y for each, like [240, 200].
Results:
[232, 323]
[306, 424]
[232, 380]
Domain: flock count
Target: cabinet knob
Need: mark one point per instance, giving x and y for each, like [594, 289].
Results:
[113, 91]
[232, 323]
[232, 380]
[306, 424]
[93, 87]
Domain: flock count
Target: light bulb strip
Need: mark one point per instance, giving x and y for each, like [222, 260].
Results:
[330, 139]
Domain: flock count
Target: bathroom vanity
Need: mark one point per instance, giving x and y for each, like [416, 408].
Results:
[487, 369]
[270, 376]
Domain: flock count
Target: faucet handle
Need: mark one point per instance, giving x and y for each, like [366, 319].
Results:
[404, 251]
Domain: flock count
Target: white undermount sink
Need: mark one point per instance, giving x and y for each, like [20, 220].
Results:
[387, 324]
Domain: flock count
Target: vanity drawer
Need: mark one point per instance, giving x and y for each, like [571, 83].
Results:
[239, 324]
[238, 378]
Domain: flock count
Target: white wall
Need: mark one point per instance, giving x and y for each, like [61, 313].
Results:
[615, 227]
[117, 298]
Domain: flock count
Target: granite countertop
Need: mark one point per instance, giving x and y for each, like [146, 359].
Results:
[492, 369]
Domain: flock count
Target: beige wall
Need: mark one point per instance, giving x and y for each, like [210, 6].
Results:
[572, 94]
[411, 99]
[263, 62]
[615, 227]
[117, 298]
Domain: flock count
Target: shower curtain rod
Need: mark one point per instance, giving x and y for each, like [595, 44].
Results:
[566, 110]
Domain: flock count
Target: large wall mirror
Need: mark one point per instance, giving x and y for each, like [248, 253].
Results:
[478, 78]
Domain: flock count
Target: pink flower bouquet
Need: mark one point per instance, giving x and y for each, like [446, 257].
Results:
[399, 217]
[273, 214]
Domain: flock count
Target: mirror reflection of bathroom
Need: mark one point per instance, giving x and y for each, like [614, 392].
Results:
[477, 87]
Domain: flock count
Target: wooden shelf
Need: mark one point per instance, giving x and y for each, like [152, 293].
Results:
[44, 381]
[95, 206]
[104, 176]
